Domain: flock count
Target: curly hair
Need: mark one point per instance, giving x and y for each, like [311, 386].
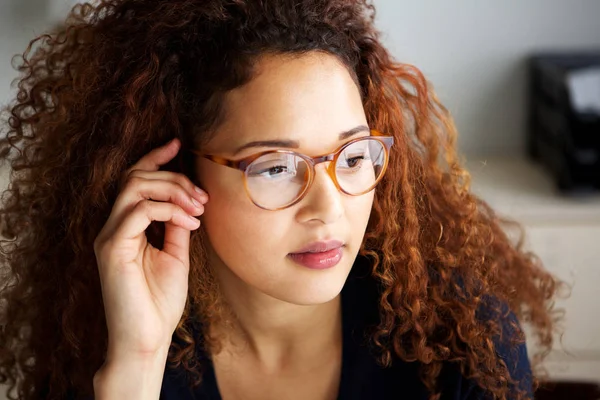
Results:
[121, 77]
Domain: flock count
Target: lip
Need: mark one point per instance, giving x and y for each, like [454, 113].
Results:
[321, 260]
[320, 246]
[319, 255]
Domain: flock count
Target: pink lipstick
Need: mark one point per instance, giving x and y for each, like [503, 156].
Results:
[319, 255]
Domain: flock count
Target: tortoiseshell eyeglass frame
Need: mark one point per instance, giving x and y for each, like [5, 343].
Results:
[244, 163]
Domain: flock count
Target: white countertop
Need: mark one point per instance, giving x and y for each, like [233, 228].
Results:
[518, 188]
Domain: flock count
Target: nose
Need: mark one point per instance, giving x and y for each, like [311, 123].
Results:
[323, 201]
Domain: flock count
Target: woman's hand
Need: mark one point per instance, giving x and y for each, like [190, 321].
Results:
[145, 289]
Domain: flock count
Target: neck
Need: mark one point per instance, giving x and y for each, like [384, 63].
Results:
[274, 332]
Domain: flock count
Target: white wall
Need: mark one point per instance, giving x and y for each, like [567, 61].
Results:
[20, 22]
[473, 51]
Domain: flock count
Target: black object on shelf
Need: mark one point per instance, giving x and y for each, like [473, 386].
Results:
[565, 140]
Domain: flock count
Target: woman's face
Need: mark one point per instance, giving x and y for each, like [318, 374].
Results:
[309, 100]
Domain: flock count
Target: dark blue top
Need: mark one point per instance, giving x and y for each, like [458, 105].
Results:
[361, 376]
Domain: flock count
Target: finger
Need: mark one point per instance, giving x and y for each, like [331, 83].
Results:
[157, 157]
[138, 189]
[146, 211]
[160, 190]
[181, 179]
[177, 243]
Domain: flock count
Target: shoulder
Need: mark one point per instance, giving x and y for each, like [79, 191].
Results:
[509, 350]
[362, 308]
[510, 342]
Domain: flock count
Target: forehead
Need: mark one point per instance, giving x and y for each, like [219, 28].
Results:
[309, 98]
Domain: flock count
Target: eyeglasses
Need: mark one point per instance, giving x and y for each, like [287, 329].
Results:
[277, 179]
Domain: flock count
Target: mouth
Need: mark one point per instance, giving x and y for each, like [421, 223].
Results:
[319, 255]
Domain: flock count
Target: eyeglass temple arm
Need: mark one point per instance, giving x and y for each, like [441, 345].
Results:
[240, 164]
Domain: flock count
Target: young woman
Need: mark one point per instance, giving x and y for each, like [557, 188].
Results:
[249, 199]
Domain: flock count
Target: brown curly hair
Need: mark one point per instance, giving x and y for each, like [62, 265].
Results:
[122, 77]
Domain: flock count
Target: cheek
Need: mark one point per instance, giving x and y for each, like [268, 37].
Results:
[358, 209]
[248, 242]
[239, 231]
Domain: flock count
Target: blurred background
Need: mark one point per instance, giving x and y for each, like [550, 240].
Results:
[522, 80]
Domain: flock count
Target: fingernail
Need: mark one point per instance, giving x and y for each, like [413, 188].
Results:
[196, 202]
[202, 192]
[195, 220]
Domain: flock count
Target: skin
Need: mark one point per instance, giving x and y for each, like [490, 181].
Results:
[288, 317]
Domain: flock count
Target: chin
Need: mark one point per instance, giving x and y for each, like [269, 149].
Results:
[310, 299]
[312, 290]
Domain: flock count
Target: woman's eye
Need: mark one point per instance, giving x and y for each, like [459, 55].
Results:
[354, 162]
[270, 172]
[276, 170]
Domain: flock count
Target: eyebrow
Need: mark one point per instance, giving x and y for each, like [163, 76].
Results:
[294, 144]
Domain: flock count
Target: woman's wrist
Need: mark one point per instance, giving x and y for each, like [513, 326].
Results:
[127, 376]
